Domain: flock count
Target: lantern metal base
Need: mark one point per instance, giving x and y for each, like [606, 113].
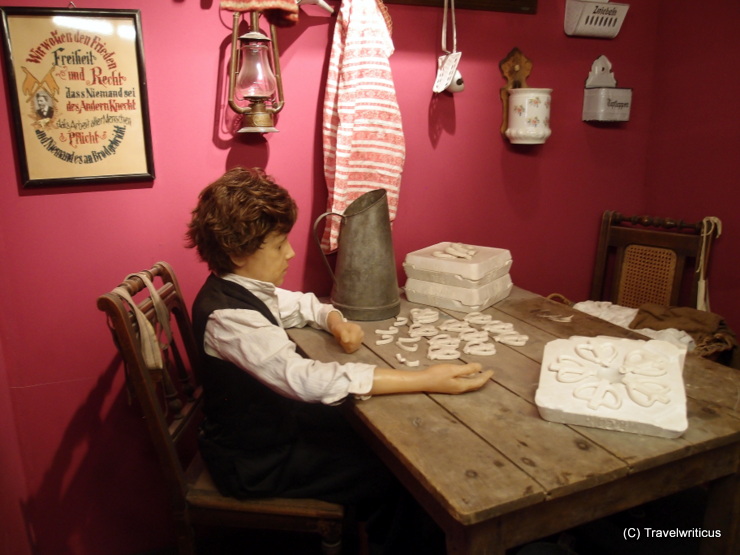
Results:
[258, 119]
[258, 130]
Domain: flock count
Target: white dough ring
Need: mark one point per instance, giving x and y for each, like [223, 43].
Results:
[497, 326]
[646, 391]
[390, 331]
[478, 318]
[406, 347]
[460, 251]
[454, 325]
[458, 254]
[444, 340]
[384, 340]
[409, 339]
[513, 339]
[442, 353]
[424, 315]
[401, 321]
[422, 330]
[401, 359]
[474, 335]
[480, 349]
[598, 394]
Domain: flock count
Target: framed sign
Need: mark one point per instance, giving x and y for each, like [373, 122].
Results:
[77, 90]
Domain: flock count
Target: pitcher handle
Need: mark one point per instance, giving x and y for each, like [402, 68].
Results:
[318, 241]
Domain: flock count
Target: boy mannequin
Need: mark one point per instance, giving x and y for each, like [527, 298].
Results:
[271, 427]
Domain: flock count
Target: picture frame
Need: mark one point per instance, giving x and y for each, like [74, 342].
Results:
[77, 91]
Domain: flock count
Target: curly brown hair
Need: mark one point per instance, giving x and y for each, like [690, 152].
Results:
[235, 214]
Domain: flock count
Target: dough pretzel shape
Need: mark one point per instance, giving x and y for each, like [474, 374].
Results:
[571, 369]
[497, 326]
[480, 349]
[478, 318]
[422, 330]
[424, 315]
[442, 353]
[455, 326]
[513, 339]
[645, 391]
[598, 394]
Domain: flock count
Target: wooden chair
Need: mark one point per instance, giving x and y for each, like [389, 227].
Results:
[162, 372]
[641, 259]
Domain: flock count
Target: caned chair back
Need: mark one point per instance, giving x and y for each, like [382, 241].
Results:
[641, 259]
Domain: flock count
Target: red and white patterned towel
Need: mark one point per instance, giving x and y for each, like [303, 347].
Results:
[364, 146]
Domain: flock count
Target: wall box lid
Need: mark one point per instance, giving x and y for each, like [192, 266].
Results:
[607, 104]
[594, 18]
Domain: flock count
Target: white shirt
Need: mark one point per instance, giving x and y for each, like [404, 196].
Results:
[247, 339]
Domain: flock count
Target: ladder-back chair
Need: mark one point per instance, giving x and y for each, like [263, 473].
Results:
[641, 259]
[161, 361]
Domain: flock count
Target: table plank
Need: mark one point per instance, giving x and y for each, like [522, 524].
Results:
[537, 310]
[635, 489]
[319, 345]
[557, 457]
[428, 447]
[713, 383]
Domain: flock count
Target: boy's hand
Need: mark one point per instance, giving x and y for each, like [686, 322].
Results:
[349, 335]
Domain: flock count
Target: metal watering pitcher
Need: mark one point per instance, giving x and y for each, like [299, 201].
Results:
[365, 283]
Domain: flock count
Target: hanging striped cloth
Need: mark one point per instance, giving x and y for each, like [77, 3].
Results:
[364, 146]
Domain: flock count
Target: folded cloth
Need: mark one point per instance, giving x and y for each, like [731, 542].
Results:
[622, 316]
[709, 331]
[281, 13]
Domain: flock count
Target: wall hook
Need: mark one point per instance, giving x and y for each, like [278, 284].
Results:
[515, 68]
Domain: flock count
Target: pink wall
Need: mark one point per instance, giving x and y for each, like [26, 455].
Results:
[76, 465]
[694, 136]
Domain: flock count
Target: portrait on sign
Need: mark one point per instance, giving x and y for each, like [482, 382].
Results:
[77, 88]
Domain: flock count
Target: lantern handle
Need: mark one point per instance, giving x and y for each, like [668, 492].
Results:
[279, 100]
[319, 3]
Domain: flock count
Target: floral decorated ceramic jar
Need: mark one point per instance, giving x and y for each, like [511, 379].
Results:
[529, 115]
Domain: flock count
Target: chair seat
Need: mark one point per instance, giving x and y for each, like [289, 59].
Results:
[202, 493]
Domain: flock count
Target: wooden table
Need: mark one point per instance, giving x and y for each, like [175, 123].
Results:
[495, 475]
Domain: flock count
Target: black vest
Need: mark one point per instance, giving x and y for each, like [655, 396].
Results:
[242, 414]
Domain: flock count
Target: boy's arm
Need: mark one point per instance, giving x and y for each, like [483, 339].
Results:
[439, 378]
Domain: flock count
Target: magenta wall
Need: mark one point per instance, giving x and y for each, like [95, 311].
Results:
[694, 135]
[77, 470]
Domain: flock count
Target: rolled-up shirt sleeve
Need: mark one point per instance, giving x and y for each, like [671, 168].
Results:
[301, 309]
[248, 340]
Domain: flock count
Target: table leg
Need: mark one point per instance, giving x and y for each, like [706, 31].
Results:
[480, 539]
[723, 515]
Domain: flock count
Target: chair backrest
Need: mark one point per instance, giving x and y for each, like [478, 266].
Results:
[161, 362]
[641, 259]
